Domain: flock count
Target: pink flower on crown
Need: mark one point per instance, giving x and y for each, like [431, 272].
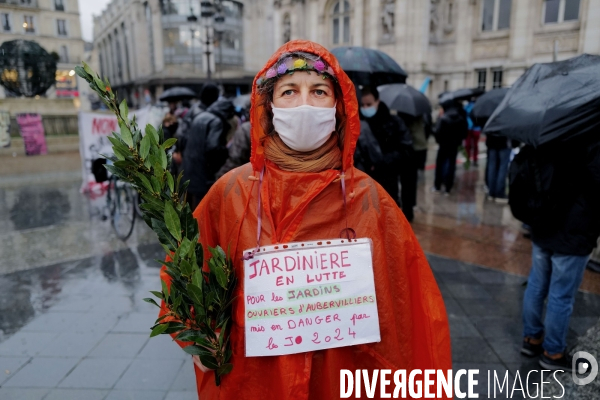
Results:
[330, 71]
[319, 66]
[271, 73]
[282, 69]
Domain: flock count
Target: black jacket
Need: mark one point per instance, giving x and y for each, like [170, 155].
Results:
[380, 144]
[575, 226]
[205, 148]
[239, 150]
[451, 128]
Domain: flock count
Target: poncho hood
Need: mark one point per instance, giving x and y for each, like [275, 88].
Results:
[352, 129]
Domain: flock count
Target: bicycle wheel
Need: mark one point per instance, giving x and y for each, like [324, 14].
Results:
[123, 216]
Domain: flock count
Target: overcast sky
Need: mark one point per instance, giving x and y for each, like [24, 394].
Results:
[87, 8]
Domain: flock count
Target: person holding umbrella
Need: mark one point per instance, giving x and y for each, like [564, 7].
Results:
[555, 189]
[450, 131]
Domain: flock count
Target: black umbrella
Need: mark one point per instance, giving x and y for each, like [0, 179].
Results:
[177, 93]
[460, 94]
[368, 66]
[559, 100]
[486, 104]
[405, 99]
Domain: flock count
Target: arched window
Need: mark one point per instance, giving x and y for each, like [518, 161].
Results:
[341, 22]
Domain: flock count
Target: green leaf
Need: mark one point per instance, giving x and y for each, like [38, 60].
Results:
[162, 232]
[87, 68]
[188, 222]
[145, 147]
[101, 85]
[184, 247]
[172, 221]
[158, 329]
[157, 294]
[163, 158]
[126, 134]
[221, 277]
[209, 361]
[117, 143]
[123, 109]
[155, 184]
[225, 369]
[170, 182]
[195, 293]
[152, 132]
[197, 276]
[168, 143]
[145, 182]
[194, 350]
[186, 268]
[165, 289]
[151, 301]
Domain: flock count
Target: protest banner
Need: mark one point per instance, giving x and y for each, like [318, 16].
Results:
[310, 296]
[32, 132]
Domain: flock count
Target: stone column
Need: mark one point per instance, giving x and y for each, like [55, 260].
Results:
[589, 35]
[358, 23]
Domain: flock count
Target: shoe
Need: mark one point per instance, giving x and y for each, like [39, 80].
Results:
[564, 363]
[447, 193]
[593, 266]
[501, 200]
[531, 350]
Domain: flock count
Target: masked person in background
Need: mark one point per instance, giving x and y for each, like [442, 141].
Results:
[384, 150]
[304, 128]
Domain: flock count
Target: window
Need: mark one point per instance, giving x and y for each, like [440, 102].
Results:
[481, 79]
[495, 15]
[5, 18]
[61, 27]
[28, 24]
[63, 54]
[59, 5]
[341, 22]
[561, 10]
[497, 75]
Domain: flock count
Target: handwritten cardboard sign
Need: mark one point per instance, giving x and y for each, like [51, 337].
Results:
[310, 296]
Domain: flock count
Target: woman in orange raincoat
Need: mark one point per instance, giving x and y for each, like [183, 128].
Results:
[310, 190]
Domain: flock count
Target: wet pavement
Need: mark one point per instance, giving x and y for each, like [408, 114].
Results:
[73, 324]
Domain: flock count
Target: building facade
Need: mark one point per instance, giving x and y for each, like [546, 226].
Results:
[145, 47]
[454, 43]
[54, 25]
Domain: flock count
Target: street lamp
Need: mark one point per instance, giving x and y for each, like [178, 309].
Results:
[193, 19]
[207, 11]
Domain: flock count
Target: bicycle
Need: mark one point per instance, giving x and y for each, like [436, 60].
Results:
[121, 202]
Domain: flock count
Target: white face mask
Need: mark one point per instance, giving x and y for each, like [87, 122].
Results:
[304, 128]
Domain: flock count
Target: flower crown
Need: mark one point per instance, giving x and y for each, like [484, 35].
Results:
[289, 65]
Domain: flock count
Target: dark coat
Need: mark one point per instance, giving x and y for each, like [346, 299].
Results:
[239, 150]
[451, 128]
[384, 143]
[379, 147]
[205, 148]
[575, 226]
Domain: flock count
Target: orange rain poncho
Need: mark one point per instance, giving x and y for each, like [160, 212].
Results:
[308, 206]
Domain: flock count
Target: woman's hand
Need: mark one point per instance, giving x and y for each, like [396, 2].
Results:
[199, 364]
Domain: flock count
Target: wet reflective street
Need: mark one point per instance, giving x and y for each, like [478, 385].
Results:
[73, 324]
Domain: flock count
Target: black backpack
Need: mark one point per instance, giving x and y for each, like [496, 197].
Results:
[536, 185]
